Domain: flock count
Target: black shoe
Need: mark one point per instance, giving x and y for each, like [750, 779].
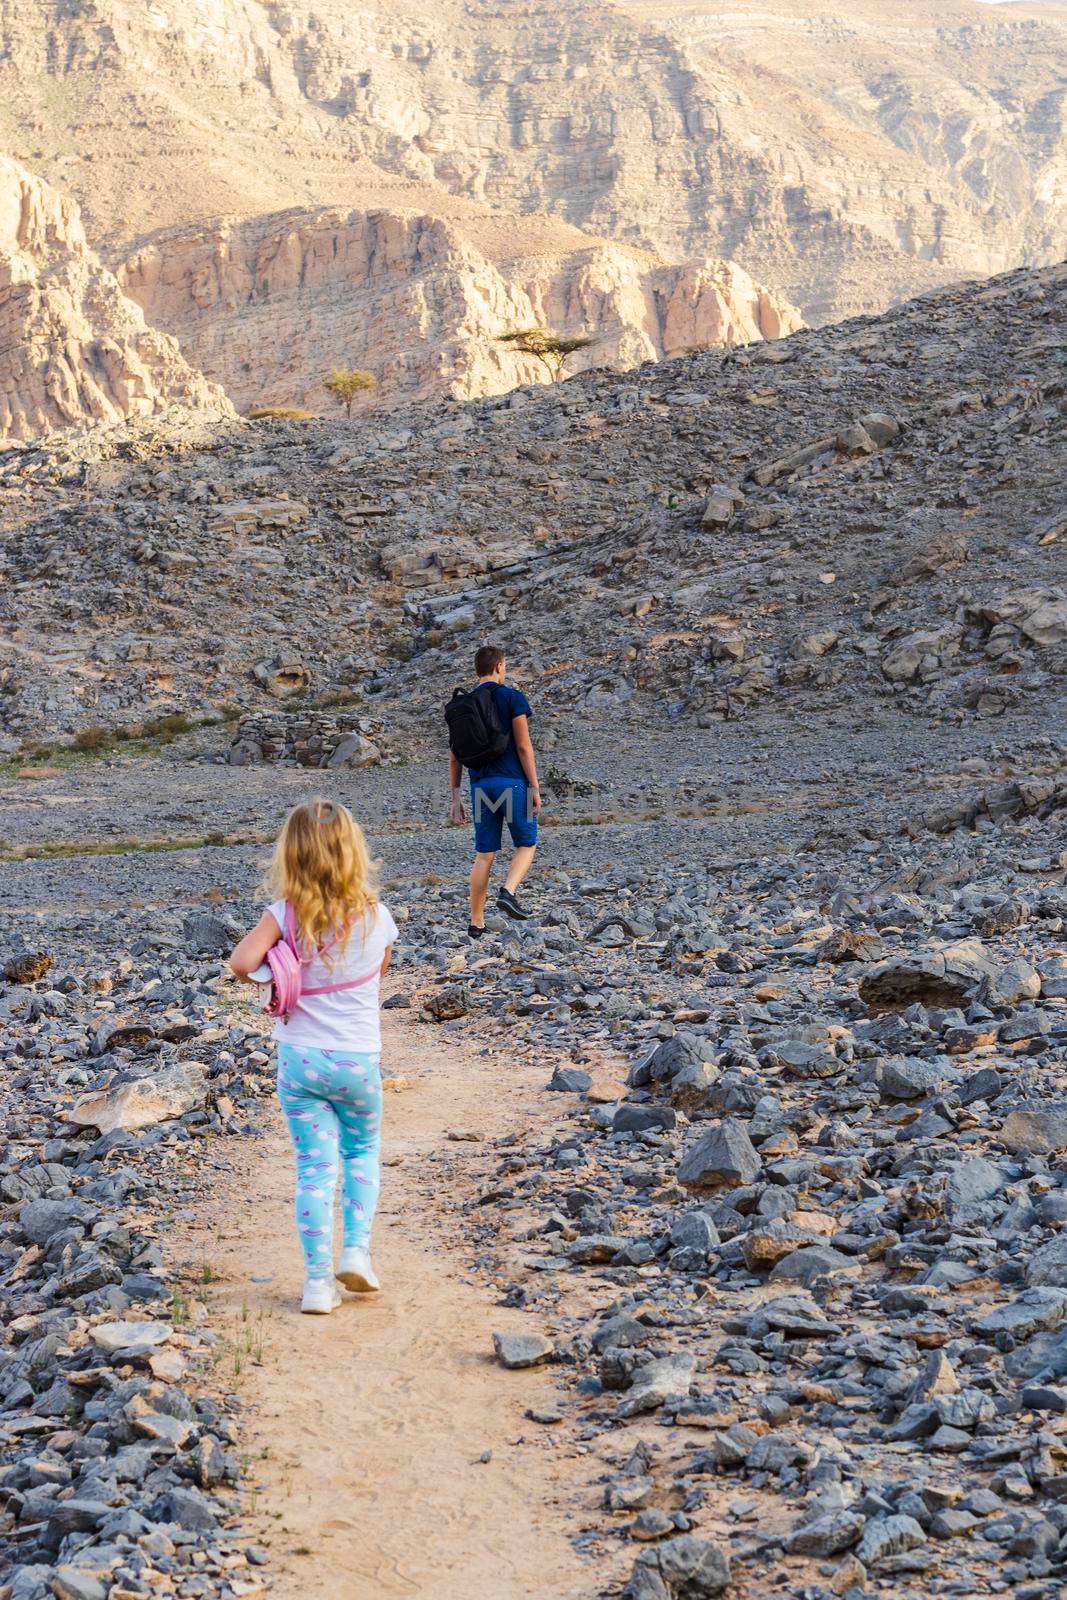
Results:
[507, 902]
[474, 932]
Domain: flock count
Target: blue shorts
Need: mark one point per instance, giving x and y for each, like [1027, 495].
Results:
[495, 801]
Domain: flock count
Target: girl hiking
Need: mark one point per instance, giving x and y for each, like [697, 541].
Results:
[329, 1045]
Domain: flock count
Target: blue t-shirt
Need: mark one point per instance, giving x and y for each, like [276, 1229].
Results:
[509, 703]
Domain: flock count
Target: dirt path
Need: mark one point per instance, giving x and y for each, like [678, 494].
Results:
[374, 1420]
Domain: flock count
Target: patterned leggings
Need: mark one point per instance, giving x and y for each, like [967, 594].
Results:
[333, 1102]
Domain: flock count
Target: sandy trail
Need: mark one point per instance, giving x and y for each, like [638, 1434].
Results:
[373, 1420]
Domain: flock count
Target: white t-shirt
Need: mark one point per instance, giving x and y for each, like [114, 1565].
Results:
[348, 1019]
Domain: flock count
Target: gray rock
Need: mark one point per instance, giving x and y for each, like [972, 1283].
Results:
[354, 750]
[972, 1185]
[657, 1381]
[74, 1516]
[1009, 984]
[70, 1583]
[667, 1059]
[187, 1507]
[945, 975]
[1035, 1130]
[694, 1230]
[515, 1350]
[210, 934]
[908, 1077]
[827, 1535]
[811, 1262]
[40, 1219]
[636, 1119]
[140, 1336]
[692, 1087]
[723, 1158]
[888, 1536]
[952, 1522]
[1048, 1264]
[1034, 1311]
[679, 1569]
[570, 1080]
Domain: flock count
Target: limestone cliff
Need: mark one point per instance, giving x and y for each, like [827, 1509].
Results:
[268, 305]
[73, 348]
[848, 154]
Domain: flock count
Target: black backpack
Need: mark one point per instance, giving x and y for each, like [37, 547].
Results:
[476, 734]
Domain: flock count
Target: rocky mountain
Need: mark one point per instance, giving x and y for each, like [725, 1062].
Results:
[848, 156]
[74, 348]
[865, 521]
[268, 305]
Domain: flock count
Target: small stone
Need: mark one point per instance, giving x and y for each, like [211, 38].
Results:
[651, 1524]
[827, 1535]
[516, 1350]
[724, 1158]
[685, 1568]
[137, 1336]
[570, 1080]
[888, 1536]
[69, 1583]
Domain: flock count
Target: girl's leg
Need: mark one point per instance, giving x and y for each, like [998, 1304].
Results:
[302, 1076]
[356, 1097]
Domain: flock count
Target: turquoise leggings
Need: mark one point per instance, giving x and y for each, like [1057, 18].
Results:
[333, 1102]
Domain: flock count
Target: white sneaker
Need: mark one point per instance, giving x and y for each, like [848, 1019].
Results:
[356, 1270]
[320, 1297]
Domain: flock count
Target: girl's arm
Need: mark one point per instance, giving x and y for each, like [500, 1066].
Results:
[252, 950]
[388, 956]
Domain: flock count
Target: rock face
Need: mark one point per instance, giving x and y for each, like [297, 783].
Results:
[849, 155]
[269, 305]
[75, 349]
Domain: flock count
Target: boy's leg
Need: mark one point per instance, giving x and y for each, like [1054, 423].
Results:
[522, 825]
[314, 1131]
[358, 1104]
[483, 866]
[519, 865]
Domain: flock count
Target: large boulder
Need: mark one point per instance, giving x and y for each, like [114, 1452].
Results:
[943, 975]
[168, 1093]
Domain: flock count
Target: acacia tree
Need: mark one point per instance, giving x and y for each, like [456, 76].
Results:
[345, 383]
[551, 349]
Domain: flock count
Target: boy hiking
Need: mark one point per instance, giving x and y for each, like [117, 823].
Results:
[489, 734]
[340, 939]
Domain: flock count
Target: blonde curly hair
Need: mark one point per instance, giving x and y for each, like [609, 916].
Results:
[321, 865]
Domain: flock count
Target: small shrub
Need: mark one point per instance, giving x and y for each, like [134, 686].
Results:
[165, 728]
[94, 737]
[280, 414]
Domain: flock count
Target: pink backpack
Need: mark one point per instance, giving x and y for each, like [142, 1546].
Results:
[287, 971]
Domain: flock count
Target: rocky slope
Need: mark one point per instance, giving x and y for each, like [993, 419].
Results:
[864, 515]
[847, 156]
[73, 347]
[268, 305]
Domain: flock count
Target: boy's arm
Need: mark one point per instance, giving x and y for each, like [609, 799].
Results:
[456, 809]
[520, 727]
